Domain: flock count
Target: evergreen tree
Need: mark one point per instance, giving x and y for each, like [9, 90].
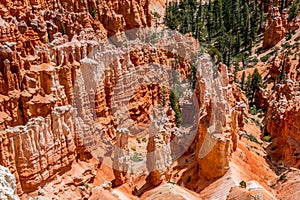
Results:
[283, 73]
[228, 27]
[209, 23]
[294, 10]
[255, 84]
[175, 107]
[254, 22]
[218, 16]
[246, 25]
[256, 80]
[243, 80]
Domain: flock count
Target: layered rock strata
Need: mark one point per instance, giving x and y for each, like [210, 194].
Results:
[41, 57]
[282, 123]
[62, 84]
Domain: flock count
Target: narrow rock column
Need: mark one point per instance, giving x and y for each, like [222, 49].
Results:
[121, 157]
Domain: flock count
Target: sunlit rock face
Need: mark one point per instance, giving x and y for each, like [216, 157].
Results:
[282, 112]
[220, 123]
[278, 26]
[282, 123]
[44, 45]
[8, 189]
[62, 81]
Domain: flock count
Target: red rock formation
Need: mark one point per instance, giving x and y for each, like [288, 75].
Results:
[282, 123]
[278, 26]
[216, 143]
[46, 67]
[42, 148]
[37, 80]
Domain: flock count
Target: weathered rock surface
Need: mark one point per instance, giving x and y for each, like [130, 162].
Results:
[278, 26]
[50, 99]
[43, 46]
[8, 189]
[282, 123]
[220, 123]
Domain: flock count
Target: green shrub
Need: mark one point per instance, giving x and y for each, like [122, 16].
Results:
[246, 120]
[189, 179]
[289, 36]
[63, 29]
[283, 176]
[297, 38]
[286, 45]
[86, 185]
[261, 115]
[265, 58]
[137, 157]
[267, 138]
[138, 140]
[255, 59]
[93, 12]
[252, 138]
[253, 110]
[243, 184]
[133, 148]
[175, 107]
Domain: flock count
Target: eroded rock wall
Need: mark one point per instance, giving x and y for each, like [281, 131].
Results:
[282, 123]
[8, 189]
[43, 47]
[278, 26]
[220, 125]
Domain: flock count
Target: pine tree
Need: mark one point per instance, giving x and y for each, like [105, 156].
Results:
[243, 80]
[283, 73]
[209, 23]
[218, 16]
[294, 10]
[238, 43]
[175, 107]
[256, 80]
[256, 83]
[246, 25]
[254, 22]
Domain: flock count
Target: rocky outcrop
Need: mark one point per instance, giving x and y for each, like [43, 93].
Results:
[159, 148]
[276, 29]
[220, 124]
[71, 17]
[8, 190]
[44, 52]
[282, 123]
[121, 157]
[43, 147]
[64, 88]
[278, 26]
